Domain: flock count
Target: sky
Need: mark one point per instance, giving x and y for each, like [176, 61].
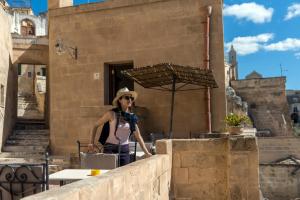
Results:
[265, 34]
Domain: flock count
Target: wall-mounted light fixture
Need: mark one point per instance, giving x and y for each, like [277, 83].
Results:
[61, 48]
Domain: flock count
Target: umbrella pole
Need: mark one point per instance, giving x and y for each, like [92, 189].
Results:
[172, 107]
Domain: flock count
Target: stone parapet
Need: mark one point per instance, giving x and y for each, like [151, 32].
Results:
[224, 168]
[146, 179]
[218, 168]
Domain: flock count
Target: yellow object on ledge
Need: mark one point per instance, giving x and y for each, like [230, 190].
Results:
[95, 172]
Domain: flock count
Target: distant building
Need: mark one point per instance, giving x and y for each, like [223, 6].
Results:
[267, 102]
[254, 75]
[232, 60]
[293, 98]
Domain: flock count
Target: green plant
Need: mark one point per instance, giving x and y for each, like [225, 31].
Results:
[237, 120]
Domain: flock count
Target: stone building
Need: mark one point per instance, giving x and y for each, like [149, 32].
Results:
[25, 56]
[232, 61]
[267, 104]
[235, 104]
[119, 34]
[88, 45]
[8, 90]
[293, 98]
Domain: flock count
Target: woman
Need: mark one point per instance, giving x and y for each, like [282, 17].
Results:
[122, 123]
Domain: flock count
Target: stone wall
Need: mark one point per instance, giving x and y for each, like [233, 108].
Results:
[8, 79]
[277, 182]
[272, 149]
[144, 32]
[147, 179]
[215, 169]
[267, 104]
[210, 169]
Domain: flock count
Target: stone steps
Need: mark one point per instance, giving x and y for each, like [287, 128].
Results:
[32, 132]
[25, 155]
[28, 142]
[24, 126]
[29, 137]
[25, 148]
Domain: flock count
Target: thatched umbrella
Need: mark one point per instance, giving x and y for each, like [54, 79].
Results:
[161, 75]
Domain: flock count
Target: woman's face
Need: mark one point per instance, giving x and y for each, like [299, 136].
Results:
[126, 100]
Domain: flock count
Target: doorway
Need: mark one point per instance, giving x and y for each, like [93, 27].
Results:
[115, 80]
[31, 91]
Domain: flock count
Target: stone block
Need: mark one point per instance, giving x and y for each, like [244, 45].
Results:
[243, 144]
[195, 191]
[199, 160]
[164, 147]
[180, 175]
[200, 145]
[201, 176]
[176, 162]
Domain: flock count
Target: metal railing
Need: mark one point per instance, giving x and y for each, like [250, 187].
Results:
[20, 180]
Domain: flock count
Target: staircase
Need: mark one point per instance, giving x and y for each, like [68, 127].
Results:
[29, 143]
[28, 107]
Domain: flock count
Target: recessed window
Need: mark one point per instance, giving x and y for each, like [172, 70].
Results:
[29, 74]
[1, 95]
[115, 80]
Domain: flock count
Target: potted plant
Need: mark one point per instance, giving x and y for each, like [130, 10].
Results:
[236, 122]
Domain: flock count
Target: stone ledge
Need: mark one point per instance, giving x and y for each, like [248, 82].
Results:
[111, 185]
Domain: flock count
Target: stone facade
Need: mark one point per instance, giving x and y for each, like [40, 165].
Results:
[8, 79]
[144, 33]
[267, 104]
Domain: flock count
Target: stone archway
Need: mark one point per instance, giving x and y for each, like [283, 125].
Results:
[27, 27]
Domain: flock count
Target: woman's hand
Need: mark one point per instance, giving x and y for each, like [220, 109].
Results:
[91, 147]
[147, 155]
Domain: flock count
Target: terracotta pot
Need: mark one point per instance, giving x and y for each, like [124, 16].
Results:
[235, 130]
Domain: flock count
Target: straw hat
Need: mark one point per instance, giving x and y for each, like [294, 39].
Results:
[124, 91]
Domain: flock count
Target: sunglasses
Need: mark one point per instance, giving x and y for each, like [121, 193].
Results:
[128, 98]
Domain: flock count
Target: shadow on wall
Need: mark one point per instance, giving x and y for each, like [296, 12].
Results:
[34, 54]
[10, 109]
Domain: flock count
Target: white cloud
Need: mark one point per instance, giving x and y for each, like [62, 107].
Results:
[249, 44]
[249, 11]
[284, 45]
[297, 55]
[293, 11]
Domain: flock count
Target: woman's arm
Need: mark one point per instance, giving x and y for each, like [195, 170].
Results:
[139, 138]
[106, 117]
